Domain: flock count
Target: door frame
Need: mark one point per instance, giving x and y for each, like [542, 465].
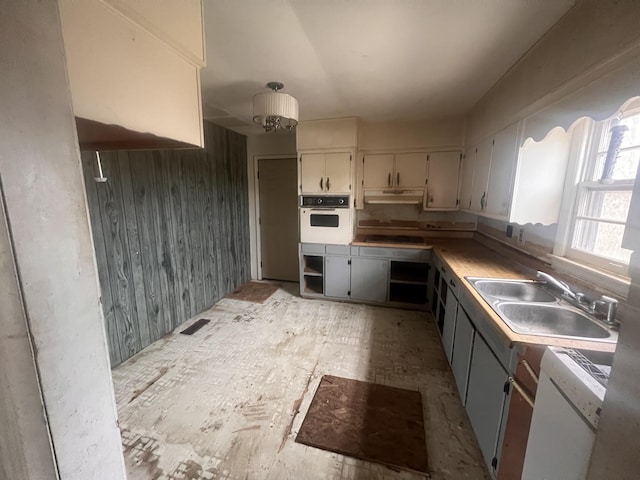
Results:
[256, 187]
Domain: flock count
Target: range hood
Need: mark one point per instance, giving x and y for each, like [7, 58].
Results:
[394, 197]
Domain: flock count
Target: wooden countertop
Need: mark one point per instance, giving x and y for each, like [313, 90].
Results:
[470, 258]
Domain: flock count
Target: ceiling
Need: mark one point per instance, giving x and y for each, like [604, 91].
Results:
[379, 60]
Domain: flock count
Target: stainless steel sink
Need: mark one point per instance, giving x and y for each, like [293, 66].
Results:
[529, 309]
[550, 320]
[514, 290]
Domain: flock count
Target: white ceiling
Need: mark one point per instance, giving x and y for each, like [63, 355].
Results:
[375, 59]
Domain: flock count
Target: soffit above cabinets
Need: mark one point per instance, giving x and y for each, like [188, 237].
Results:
[380, 61]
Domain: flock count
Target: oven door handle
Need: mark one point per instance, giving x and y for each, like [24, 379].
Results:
[323, 209]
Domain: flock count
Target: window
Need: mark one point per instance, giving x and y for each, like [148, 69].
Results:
[604, 194]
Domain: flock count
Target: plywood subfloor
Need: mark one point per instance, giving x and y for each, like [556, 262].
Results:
[368, 421]
[256, 292]
[228, 401]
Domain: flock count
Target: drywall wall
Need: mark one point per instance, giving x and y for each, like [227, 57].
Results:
[171, 232]
[591, 35]
[446, 133]
[25, 450]
[45, 208]
[273, 145]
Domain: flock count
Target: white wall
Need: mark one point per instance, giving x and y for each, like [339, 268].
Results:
[45, 208]
[589, 36]
[444, 133]
[275, 145]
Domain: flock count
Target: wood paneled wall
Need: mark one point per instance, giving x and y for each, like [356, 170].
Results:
[171, 233]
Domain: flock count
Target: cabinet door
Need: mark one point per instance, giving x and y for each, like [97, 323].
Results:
[337, 276]
[449, 327]
[338, 172]
[466, 178]
[312, 169]
[481, 175]
[503, 161]
[369, 279]
[442, 181]
[410, 170]
[378, 171]
[462, 346]
[486, 397]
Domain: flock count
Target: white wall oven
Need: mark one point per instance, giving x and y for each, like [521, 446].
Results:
[325, 219]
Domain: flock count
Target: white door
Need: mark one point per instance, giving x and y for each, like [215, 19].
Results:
[410, 170]
[338, 173]
[442, 182]
[481, 175]
[378, 171]
[503, 161]
[466, 177]
[278, 211]
[312, 169]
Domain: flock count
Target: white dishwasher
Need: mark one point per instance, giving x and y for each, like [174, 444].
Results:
[565, 417]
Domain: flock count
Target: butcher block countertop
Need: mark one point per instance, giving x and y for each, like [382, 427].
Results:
[469, 258]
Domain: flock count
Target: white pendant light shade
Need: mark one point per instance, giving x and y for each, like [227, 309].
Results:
[274, 110]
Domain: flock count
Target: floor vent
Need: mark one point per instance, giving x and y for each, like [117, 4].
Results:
[195, 326]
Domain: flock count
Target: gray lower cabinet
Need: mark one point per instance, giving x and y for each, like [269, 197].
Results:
[449, 326]
[464, 337]
[337, 271]
[369, 279]
[486, 395]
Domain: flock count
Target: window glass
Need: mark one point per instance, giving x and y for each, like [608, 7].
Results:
[601, 239]
[604, 194]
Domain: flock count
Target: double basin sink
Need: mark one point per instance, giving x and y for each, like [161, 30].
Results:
[529, 309]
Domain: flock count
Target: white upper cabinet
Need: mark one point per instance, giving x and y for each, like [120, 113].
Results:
[338, 172]
[516, 184]
[401, 171]
[503, 161]
[410, 170]
[325, 173]
[135, 64]
[481, 175]
[378, 171]
[466, 178]
[442, 181]
[312, 168]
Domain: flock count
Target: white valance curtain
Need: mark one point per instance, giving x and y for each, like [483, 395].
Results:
[598, 95]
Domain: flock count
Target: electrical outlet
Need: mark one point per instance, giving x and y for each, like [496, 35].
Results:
[521, 236]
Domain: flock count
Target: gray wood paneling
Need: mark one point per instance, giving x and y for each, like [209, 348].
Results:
[171, 234]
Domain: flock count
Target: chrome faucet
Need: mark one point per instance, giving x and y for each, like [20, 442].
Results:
[580, 300]
[611, 304]
[559, 285]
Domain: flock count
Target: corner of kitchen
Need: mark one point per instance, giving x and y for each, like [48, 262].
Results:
[417, 230]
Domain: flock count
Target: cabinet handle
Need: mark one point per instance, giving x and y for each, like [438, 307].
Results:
[527, 398]
[389, 180]
[328, 185]
[483, 200]
[452, 283]
[321, 188]
[398, 179]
